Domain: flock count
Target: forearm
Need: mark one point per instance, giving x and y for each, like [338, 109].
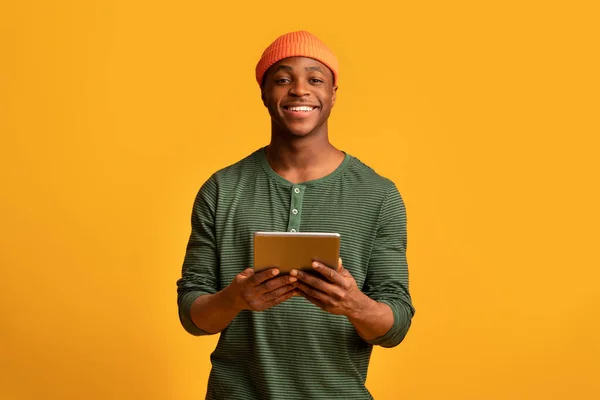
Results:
[214, 312]
[371, 319]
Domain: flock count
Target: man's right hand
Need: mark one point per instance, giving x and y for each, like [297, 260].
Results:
[262, 290]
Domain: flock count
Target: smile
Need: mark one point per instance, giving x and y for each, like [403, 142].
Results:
[299, 108]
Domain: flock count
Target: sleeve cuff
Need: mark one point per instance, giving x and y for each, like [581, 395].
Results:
[184, 314]
[399, 329]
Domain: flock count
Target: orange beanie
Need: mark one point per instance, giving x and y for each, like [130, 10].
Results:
[296, 44]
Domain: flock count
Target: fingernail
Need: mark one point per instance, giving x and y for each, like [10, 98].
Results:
[292, 279]
[316, 264]
[274, 272]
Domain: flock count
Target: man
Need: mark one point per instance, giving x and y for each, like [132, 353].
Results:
[300, 335]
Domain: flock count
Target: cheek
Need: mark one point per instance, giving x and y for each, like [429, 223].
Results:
[273, 104]
[272, 101]
[273, 108]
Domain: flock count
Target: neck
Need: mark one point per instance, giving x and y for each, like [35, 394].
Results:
[303, 159]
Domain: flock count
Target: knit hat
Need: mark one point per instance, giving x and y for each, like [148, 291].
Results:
[296, 44]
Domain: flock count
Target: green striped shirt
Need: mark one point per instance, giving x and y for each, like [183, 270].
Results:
[295, 350]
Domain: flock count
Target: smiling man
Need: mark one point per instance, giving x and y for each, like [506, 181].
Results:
[302, 335]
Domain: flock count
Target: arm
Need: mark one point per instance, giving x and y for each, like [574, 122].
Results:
[387, 277]
[203, 309]
[371, 319]
[199, 276]
[213, 312]
[256, 292]
[339, 294]
[382, 314]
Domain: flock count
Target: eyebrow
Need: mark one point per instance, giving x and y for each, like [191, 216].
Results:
[315, 68]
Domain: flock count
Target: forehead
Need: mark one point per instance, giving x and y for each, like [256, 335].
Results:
[299, 64]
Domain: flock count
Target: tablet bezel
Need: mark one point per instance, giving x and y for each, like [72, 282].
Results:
[295, 250]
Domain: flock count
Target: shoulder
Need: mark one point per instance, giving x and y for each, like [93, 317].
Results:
[229, 178]
[366, 177]
[374, 188]
[249, 165]
[380, 190]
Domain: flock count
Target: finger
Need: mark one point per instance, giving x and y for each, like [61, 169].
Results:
[277, 300]
[310, 291]
[313, 300]
[315, 281]
[275, 283]
[329, 273]
[340, 266]
[273, 294]
[247, 273]
[262, 276]
[244, 275]
[345, 273]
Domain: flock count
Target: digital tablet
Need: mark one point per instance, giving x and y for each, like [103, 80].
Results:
[295, 250]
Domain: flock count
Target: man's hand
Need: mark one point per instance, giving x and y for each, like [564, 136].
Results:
[333, 291]
[339, 294]
[262, 290]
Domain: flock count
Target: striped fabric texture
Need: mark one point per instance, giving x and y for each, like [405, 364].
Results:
[296, 44]
[295, 350]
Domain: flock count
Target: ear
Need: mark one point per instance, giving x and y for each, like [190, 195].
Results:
[334, 95]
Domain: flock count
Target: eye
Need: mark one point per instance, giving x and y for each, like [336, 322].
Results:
[315, 80]
[281, 81]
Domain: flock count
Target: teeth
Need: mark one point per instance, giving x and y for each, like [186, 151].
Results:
[301, 108]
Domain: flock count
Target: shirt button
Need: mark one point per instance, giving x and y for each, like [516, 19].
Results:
[292, 230]
[294, 211]
[296, 190]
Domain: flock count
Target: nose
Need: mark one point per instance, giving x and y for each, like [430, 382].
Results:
[298, 89]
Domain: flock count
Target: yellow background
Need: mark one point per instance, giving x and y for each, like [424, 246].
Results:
[485, 114]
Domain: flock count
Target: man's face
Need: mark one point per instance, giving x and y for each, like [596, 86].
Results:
[299, 94]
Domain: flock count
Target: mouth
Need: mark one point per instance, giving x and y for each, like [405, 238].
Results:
[300, 109]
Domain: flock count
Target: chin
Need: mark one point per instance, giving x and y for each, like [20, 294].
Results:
[295, 129]
[301, 131]
[301, 134]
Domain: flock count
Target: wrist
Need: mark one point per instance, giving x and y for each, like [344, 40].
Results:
[364, 307]
[231, 299]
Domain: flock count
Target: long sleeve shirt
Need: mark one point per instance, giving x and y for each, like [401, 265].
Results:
[295, 350]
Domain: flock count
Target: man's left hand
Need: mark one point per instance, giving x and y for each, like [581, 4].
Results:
[333, 291]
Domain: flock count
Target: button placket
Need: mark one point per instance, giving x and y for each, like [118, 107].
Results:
[296, 194]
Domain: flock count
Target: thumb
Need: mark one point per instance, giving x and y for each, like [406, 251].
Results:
[343, 271]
